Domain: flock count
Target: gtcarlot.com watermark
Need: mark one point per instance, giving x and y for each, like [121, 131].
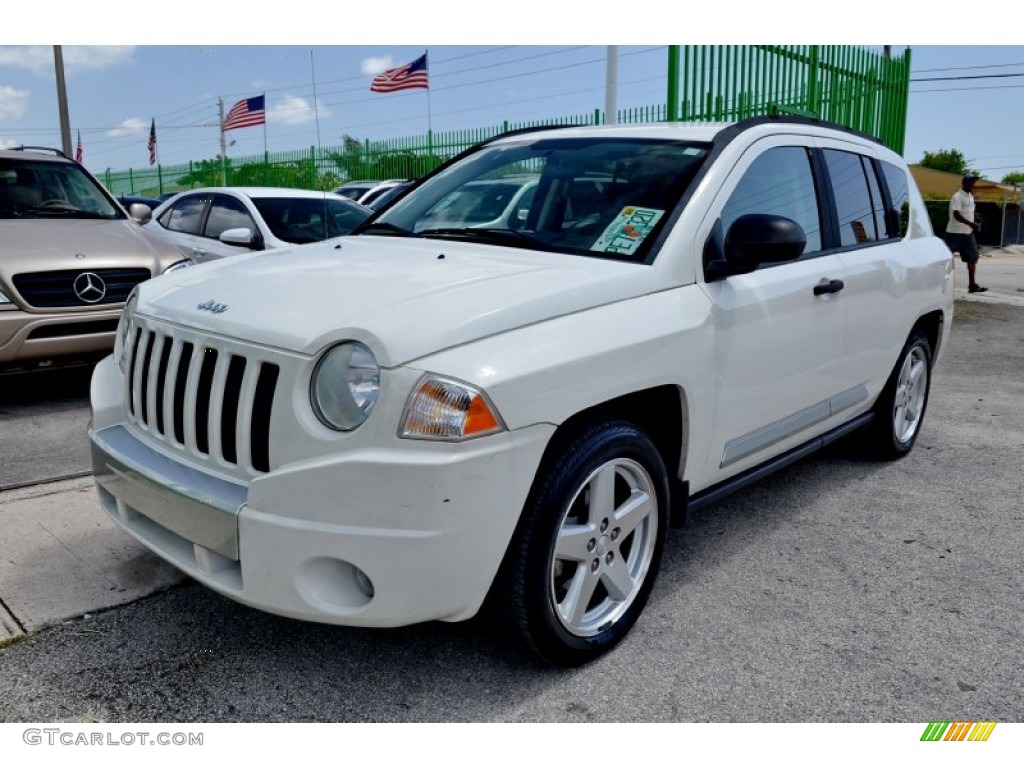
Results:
[67, 737]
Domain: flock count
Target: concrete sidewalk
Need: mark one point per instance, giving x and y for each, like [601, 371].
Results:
[1001, 270]
[62, 557]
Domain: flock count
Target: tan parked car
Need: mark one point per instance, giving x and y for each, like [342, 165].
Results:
[69, 257]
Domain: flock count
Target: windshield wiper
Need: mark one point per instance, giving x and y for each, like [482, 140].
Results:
[58, 210]
[497, 235]
[384, 228]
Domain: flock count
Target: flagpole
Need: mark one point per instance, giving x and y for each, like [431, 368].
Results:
[264, 126]
[316, 115]
[223, 145]
[430, 127]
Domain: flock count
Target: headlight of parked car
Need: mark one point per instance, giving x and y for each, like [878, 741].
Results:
[183, 264]
[445, 409]
[124, 331]
[345, 386]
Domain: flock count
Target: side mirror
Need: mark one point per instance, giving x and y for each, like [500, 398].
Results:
[753, 239]
[239, 236]
[140, 212]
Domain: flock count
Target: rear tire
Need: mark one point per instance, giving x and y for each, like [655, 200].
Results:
[900, 409]
[584, 557]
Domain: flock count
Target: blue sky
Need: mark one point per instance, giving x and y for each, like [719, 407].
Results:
[115, 89]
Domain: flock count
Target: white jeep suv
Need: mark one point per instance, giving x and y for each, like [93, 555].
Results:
[394, 426]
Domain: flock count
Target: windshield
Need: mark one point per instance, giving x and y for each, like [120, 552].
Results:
[595, 196]
[42, 189]
[302, 219]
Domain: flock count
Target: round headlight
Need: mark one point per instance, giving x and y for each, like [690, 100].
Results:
[345, 386]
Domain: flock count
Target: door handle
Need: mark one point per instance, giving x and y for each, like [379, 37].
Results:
[828, 286]
[201, 252]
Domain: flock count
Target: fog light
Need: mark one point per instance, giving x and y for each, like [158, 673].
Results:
[363, 582]
[335, 586]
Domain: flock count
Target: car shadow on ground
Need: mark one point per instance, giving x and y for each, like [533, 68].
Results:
[46, 386]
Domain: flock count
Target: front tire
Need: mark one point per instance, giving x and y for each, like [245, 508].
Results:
[900, 409]
[586, 552]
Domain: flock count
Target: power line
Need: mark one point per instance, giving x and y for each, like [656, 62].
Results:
[977, 66]
[966, 77]
[979, 88]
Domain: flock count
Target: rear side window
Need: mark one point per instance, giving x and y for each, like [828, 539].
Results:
[858, 210]
[899, 194]
[779, 182]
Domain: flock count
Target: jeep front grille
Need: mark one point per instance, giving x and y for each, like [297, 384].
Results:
[202, 397]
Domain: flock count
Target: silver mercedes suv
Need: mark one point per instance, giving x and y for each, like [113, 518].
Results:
[69, 257]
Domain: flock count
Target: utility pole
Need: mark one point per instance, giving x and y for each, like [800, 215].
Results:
[62, 101]
[223, 146]
[611, 87]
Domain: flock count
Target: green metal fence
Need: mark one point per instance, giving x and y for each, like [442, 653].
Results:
[845, 84]
[849, 85]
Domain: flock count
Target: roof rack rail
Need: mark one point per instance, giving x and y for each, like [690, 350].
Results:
[44, 149]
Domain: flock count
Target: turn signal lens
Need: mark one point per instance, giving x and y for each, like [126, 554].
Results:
[446, 409]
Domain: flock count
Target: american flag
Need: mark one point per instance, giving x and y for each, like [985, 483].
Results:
[152, 142]
[412, 75]
[245, 113]
[78, 151]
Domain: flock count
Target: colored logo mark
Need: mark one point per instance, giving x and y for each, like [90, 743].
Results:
[958, 731]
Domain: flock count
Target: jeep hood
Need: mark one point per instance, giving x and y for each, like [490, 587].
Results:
[405, 298]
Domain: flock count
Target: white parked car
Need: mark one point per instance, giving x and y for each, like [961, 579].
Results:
[399, 425]
[215, 222]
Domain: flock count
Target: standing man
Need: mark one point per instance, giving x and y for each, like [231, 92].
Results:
[961, 228]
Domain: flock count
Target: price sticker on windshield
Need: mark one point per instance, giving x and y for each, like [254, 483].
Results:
[628, 230]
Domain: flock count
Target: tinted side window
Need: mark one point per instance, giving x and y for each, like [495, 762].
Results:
[227, 213]
[853, 200]
[185, 215]
[899, 193]
[779, 182]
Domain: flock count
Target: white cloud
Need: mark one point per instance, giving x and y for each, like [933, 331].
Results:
[128, 127]
[77, 58]
[295, 110]
[13, 102]
[376, 65]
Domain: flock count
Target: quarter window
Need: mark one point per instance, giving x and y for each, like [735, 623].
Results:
[779, 182]
[899, 194]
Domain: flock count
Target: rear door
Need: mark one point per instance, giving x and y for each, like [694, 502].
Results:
[874, 253]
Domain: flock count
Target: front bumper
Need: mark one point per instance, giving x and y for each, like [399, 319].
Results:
[61, 336]
[426, 525]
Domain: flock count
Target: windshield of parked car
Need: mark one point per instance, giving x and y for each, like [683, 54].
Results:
[308, 219]
[42, 189]
[387, 196]
[596, 196]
